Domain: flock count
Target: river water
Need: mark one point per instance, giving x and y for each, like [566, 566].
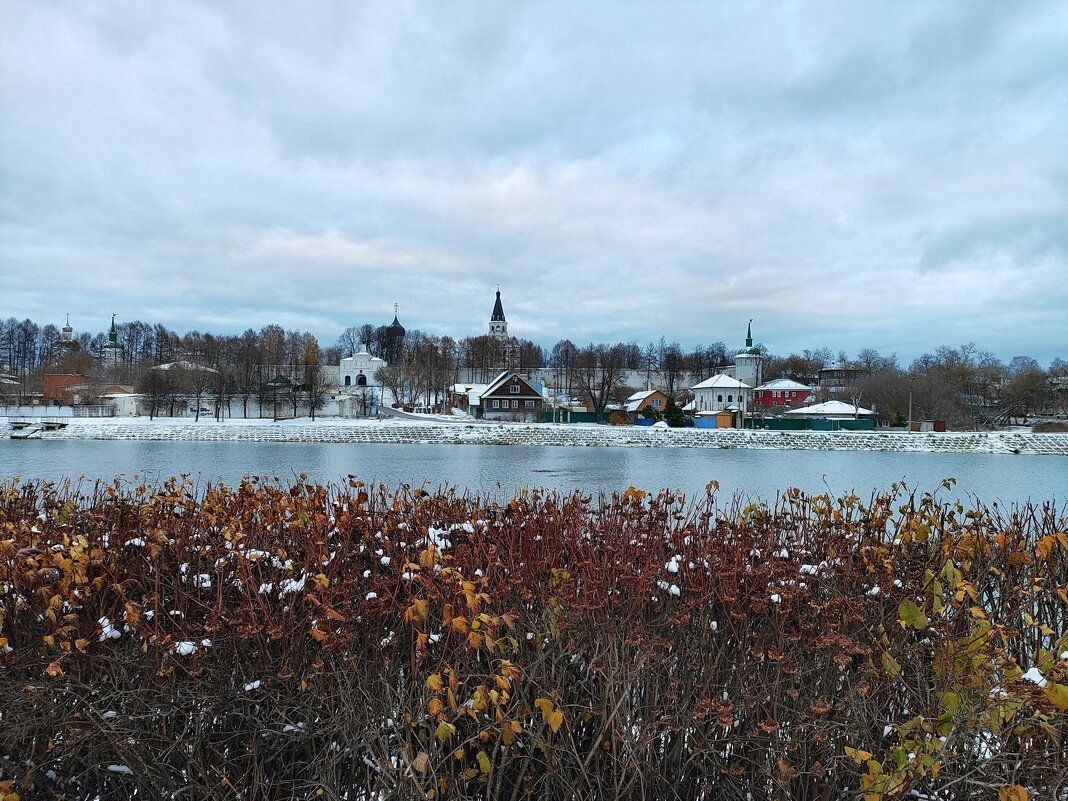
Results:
[502, 470]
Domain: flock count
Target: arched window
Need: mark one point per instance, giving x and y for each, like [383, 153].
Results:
[719, 399]
[730, 399]
[361, 380]
[348, 380]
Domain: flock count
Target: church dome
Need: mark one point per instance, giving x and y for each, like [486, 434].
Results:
[395, 329]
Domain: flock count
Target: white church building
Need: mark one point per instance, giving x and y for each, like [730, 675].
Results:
[358, 370]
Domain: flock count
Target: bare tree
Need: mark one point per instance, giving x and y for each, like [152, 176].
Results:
[562, 358]
[349, 341]
[599, 373]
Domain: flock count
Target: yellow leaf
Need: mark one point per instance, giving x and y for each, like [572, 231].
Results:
[857, 755]
[483, 762]
[556, 719]
[546, 707]
[318, 635]
[80, 644]
[444, 731]
[1058, 694]
[420, 608]
[434, 683]
[54, 669]
[434, 706]
[420, 762]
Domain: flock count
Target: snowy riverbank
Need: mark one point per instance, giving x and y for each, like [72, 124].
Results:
[483, 433]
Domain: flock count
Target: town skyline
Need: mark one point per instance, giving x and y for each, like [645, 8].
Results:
[877, 176]
[831, 351]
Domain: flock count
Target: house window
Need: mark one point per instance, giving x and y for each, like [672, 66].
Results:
[348, 380]
[361, 380]
[719, 399]
[530, 404]
[515, 404]
[496, 404]
[657, 403]
[730, 399]
[515, 389]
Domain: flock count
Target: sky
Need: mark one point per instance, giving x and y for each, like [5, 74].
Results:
[848, 174]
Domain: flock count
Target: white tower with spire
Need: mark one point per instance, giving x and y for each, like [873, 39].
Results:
[111, 354]
[749, 361]
[498, 326]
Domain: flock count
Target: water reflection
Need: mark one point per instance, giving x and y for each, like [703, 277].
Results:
[502, 471]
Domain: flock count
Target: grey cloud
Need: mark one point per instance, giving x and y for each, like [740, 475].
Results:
[624, 171]
[1023, 239]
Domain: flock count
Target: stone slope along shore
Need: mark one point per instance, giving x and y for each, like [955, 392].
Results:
[559, 435]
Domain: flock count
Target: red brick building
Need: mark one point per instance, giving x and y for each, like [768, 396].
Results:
[65, 388]
[781, 394]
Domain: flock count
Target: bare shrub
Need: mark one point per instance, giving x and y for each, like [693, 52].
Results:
[268, 641]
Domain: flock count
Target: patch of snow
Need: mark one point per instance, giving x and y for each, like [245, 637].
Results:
[1035, 676]
[120, 769]
[775, 599]
[108, 631]
[287, 586]
[371, 596]
[185, 648]
[252, 685]
[874, 591]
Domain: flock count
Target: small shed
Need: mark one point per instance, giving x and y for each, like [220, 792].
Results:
[720, 419]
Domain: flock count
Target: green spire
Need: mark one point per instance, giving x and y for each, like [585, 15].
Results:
[749, 350]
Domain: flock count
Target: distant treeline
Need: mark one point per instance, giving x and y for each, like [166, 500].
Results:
[964, 385]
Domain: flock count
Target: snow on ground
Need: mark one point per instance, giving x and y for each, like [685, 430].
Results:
[429, 429]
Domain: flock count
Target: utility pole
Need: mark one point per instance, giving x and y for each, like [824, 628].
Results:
[911, 379]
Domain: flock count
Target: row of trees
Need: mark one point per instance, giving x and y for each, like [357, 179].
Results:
[964, 385]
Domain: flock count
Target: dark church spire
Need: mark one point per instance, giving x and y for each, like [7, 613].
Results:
[498, 326]
[498, 309]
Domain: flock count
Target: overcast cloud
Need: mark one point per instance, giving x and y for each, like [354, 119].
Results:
[850, 175]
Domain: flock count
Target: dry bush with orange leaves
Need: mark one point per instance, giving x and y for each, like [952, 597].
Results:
[269, 641]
